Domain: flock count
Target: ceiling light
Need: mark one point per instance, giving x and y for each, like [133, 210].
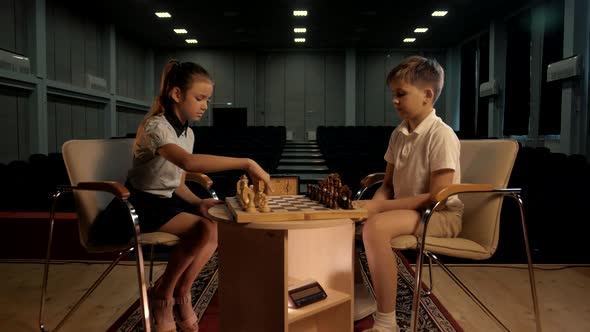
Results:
[180, 31]
[439, 13]
[420, 30]
[163, 14]
[191, 41]
[300, 30]
[299, 40]
[300, 13]
[409, 40]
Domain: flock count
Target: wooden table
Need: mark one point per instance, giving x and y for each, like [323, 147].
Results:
[256, 261]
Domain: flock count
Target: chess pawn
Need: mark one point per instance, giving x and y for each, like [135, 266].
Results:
[263, 203]
[249, 193]
[345, 197]
[258, 197]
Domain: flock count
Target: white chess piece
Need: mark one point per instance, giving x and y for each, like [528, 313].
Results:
[249, 194]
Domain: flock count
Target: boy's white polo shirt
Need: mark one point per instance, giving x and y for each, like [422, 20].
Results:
[432, 146]
[151, 172]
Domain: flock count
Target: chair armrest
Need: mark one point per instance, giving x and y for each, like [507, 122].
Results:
[371, 179]
[460, 188]
[200, 178]
[112, 187]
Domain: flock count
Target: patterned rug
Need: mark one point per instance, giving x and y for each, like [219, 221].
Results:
[433, 316]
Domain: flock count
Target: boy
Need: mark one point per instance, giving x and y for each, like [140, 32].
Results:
[422, 158]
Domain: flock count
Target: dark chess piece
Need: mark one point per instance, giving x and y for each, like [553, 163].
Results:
[345, 198]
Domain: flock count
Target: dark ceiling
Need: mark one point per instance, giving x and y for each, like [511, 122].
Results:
[270, 23]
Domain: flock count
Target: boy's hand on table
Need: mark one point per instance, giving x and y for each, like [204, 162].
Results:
[371, 206]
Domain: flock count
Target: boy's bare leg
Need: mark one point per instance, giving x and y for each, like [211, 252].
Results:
[377, 234]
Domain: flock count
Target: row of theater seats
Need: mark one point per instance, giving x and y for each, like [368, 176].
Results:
[28, 185]
[554, 191]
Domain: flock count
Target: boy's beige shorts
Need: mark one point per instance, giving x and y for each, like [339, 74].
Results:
[443, 223]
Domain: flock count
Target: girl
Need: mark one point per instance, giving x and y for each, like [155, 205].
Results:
[162, 154]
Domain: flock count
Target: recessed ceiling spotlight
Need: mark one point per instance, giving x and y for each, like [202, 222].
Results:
[420, 30]
[439, 13]
[409, 40]
[163, 14]
[300, 13]
[180, 31]
[191, 41]
[299, 30]
[299, 40]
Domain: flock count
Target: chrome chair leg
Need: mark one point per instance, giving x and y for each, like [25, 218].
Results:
[431, 286]
[530, 263]
[143, 299]
[152, 266]
[122, 254]
[47, 260]
[469, 293]
[418, 280]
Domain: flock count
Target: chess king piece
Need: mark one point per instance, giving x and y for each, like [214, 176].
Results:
[248, 192]
[240, 187]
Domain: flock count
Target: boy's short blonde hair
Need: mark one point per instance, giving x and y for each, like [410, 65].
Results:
[417, 69]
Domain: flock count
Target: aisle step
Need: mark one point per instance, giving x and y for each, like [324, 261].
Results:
[296, 169]
[301, 155]
[302, 146]
[301, 161]
[287, 149]
[301, 143]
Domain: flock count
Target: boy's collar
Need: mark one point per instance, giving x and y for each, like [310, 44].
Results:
[178, 126]
[423, 126]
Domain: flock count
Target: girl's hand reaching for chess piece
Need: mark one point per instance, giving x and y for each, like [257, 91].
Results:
[257, 174]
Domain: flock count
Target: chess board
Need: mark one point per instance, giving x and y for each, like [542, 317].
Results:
[290, 207]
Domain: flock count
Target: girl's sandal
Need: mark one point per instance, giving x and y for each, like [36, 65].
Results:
[164, 325]
[190, 324]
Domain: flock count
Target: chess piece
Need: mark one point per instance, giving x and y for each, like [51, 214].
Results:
[345, 198]
[263, 203]
[248, 192]
[240, 187]
[258, 199]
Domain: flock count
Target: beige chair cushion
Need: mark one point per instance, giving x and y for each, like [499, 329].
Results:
[158, 238]
[456, 247]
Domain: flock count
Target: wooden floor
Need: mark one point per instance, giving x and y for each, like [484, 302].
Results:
[564, 296]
